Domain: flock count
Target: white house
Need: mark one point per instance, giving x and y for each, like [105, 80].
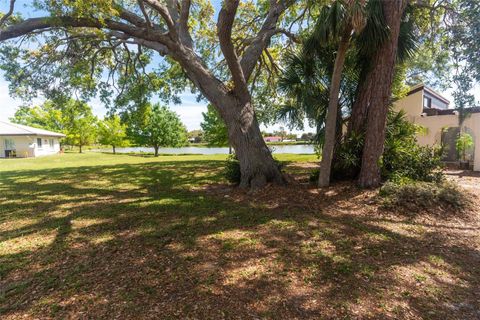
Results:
[23, 141]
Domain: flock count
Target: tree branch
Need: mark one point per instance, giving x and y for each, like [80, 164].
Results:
[225, 21]
[131, 17]
[35, 24]
[8, 14]
[145, 14]
[262, 39]
[164, 12]
[41, 24]
[160, 48]
[183, 23]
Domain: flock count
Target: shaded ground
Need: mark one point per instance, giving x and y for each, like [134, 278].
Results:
[469, 180]
[103, 236]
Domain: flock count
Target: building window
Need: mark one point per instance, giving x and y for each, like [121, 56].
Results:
[39, 142]
[9, 144]
[427, 102]
[50, 142]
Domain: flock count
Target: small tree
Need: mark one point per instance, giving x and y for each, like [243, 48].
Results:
[163, 129]
[463, 143]
[80, 123]
[215, 130]
[83, 132]
[112, 132]
[47, 116]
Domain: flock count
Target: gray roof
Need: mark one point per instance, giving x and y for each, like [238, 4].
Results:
[13, 129]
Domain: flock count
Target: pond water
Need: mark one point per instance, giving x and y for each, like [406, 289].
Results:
[295, 149]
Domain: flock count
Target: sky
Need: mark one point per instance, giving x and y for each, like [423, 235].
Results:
[189, 111]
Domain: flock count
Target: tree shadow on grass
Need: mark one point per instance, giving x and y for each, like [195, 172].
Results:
[135, 241]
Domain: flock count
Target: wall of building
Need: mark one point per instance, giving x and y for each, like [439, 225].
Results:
[46, 149]
[435, 124]
[411, 104]
[23, 146]
[26, 146]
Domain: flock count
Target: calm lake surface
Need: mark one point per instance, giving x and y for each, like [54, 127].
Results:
[296, 149]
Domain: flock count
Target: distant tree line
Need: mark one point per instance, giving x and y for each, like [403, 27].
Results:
[156, 127]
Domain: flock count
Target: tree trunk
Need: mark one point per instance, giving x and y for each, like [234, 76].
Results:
[229, 149]
[235, 107]
[156, 150]
[358, 118]
[331, 122]
[113, 149]
[80, 146]
[383, 65]
[338, 136]
[256, 162]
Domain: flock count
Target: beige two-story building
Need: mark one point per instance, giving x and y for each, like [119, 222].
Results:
[429, 109]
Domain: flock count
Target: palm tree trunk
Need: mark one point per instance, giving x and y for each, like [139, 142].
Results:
[382, 74]
[331, 122]
[360, 106]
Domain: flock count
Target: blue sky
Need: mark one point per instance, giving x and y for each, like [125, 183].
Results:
[190, 111]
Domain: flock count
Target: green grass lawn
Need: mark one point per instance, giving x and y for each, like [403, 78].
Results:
[104, 236]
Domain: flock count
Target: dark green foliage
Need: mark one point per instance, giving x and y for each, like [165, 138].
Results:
[412, 196]
[402, 157]
[313, 178]
[214, 128]
[232, 169]
[348, 157]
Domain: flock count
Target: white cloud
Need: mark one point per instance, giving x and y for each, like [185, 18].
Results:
[8, 104]
[190, 114]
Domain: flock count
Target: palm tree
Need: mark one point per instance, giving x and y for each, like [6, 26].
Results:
[306, 81]
[336, 24]
[305, 84]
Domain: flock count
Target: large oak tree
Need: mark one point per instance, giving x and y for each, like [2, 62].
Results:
[165, 27]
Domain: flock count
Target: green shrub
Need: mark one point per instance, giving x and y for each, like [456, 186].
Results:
[414, 196]
[232, 169]
[348, 157]
[402, 156]
[413, 162]
[463, 144]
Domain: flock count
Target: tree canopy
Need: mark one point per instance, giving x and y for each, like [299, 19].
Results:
[214, 129]
[112, 132]
[162, 128]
